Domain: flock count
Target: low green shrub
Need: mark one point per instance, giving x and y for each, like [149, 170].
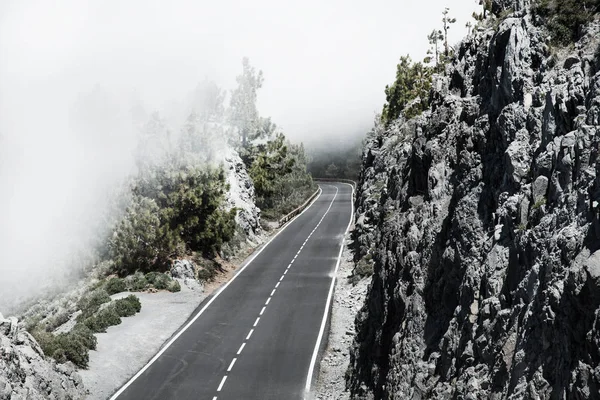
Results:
[73, 346]
[91, 302]
[104, 318]
[115, 285]
[207, 269]
[137, 282]
[159, 280]
[174, 286]
[128, 306]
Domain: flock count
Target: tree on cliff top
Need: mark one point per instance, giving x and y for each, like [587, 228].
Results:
[243, 112]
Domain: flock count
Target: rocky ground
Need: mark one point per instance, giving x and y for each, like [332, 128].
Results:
[26, 374]
[348, 298]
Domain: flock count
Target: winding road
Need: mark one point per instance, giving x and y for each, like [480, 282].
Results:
[259, 336]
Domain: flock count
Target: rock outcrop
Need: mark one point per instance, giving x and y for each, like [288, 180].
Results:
[26, 374]
[241, 195]
[482, 219]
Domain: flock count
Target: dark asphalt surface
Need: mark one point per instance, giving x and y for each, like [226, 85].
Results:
[274, 360]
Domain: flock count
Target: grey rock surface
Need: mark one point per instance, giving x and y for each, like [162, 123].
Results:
[26, 374]
[241, 195]
[480, 289]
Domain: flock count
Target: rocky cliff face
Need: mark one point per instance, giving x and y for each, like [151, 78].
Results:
[482, 219]
[26, 374]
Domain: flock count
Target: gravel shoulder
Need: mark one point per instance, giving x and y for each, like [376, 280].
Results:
[348, 299]
[125, 348]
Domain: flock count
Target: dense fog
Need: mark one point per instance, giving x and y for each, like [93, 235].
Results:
[79, 78]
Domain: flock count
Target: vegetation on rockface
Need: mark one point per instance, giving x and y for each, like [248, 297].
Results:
[564, 18]
[408, 96]
[277, 167]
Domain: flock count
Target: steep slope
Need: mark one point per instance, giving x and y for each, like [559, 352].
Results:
[26, 374]
[481, 216]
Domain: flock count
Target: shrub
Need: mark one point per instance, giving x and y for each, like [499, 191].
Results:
[103, 319]
[91, 302]
[115, 285]
[207, 270]
[363, 268]
[174, 286]
[137, 282]
[564, 18]
[128, 306]
[73, 346]
[141, 241]
[159, 280]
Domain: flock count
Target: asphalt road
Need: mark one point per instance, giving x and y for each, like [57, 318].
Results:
[256, 337]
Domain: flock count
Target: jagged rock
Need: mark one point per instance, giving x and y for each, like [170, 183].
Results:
[540, 188]
[26, 374]
[183, 269]
[241, 194]
[480, 216]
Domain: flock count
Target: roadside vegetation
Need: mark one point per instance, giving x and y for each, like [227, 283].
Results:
[277, 167]
[175, 206]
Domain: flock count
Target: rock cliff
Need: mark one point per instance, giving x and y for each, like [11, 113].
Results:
[482, 219]
[26, 374]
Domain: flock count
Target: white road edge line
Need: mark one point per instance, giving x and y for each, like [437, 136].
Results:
[231, 365]
[327, 304]
[222, 383]
[186, 327]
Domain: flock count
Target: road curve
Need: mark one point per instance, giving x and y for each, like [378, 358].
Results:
[256, 338]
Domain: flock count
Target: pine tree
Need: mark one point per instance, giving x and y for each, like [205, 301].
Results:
[448, 21]
[242, 110]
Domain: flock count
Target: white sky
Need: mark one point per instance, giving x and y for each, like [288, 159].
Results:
[325, 62]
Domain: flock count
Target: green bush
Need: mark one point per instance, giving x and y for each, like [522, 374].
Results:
[91, 302]
[564, 18]
[137, 282]
[104, 318]
[207, 269]
[115, 285]
[128, 306]
[159, 280]
[174, 286]
[409, 94]
[73, 346]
